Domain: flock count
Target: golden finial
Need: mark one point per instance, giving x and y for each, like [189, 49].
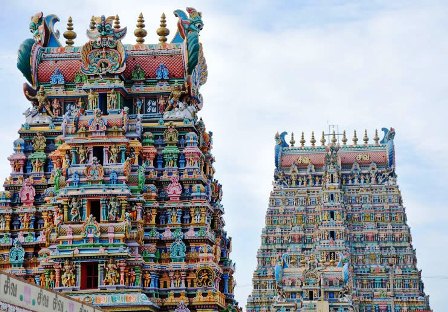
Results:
[322, 140]
[376, 138]
[117, 22]
[92, 23]
[333, 138]
[344, 138]
[162, 31]
[365, 138]
[140, 32]
[69, 34]
[313, 140]
[355, 138]
[302, 140]
[292, 141]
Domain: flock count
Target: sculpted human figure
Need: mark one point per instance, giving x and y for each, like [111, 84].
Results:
[56, 107]
[112, 275]
[40, 101]
[39, 142]
[112, 100]
[174, 98]
[75, 206]
[113, 154]
[93, 100]
[82, 152]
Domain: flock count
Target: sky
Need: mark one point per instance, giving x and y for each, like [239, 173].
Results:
[293, 66]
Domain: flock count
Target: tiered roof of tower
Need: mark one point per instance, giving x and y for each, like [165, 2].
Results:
[336, 237]
[112, 197]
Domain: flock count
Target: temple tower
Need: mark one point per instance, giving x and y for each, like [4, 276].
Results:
[112, 198]
[336, 237]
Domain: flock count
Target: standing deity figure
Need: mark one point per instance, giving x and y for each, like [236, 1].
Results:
[162, 104]
[112, 100]
[38, 165]
[40, 101]
[82, 152]
[146, 279]
[113, 209]
[25, 221]
[58, 217]
[56, 107]
[113, 154]
[124, 113]
[92, 98]
[27, 193]
[112, 276]
[75, 206]
[175, 96]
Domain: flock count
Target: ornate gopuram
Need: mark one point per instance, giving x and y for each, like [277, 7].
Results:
[112, 198]
[336, 237]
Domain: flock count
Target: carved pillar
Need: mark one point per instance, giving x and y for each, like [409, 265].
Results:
[182, 275]
[8, 222]
[123, 153]
[45, 217]
[171, 274]
[65, 207]
[103, 203]
[153, 216]
[139, 211]
[74, 160]
[193, 219]
[122, 267]
[123, 206]
[57, 270]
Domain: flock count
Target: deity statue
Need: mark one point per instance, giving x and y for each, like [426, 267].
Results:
[124, 113]
[58, 217]
[112, 100]
[174, 189]
[75, 207]
[113, 209]
[52, 279]
[113, 154]
[162, 104]
[162, 72]
[170, 135]
[92, 99]
[82, 153]
[40, 101]
[175, 96]
[132, 276]
[138, 73]
[68, 277]
[25, 220]
[146, 279]
[56, 107]
[27, 192]
[94, 171]
[112, 275]
[39, 142]
[38, 165]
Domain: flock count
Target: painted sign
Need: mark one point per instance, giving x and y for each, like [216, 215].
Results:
[28, 296]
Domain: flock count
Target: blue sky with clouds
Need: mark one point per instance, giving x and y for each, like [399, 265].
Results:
[294, 66]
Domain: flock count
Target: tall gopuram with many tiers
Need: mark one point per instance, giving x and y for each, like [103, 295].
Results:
[112, 198]
[336, 237]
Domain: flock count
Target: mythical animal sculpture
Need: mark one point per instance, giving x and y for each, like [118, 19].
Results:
[188, 29]
[280, 144]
